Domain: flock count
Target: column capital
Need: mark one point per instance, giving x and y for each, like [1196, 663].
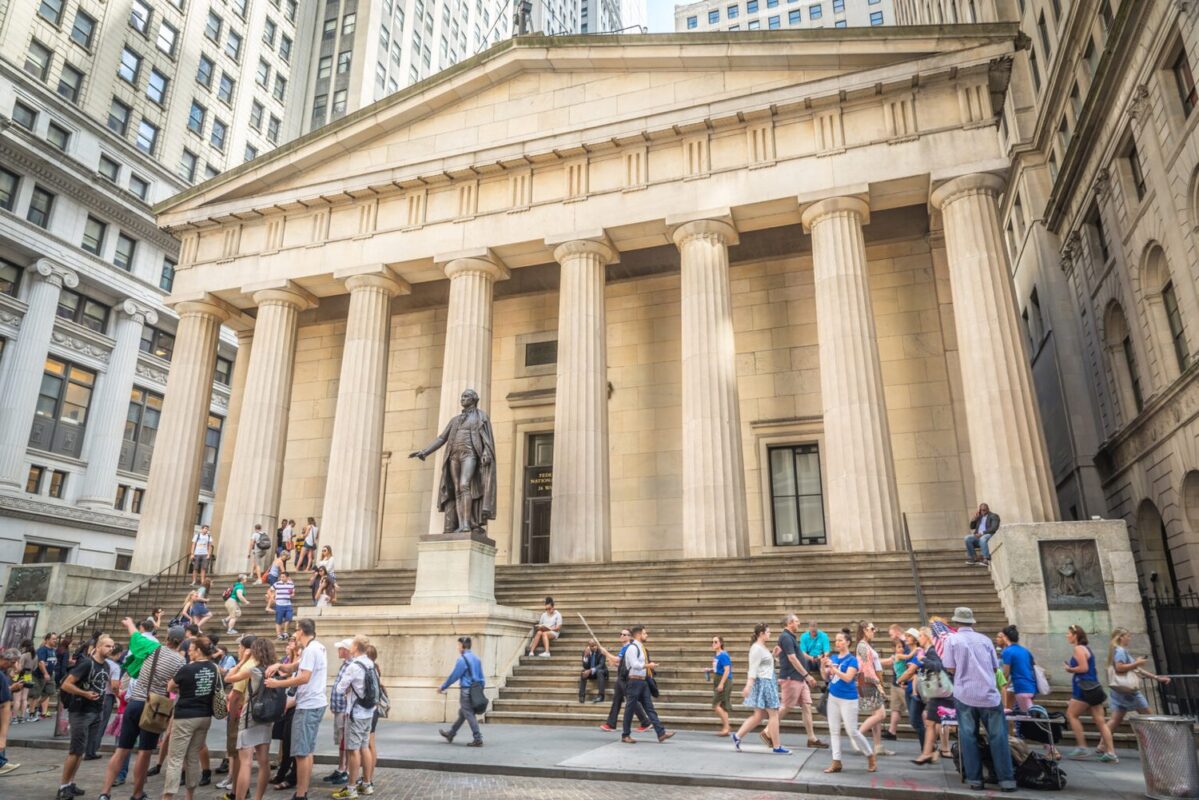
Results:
[139, 312]
[54, 273]
[966, 185]
[377, 276]
[205, 305]
[716, 222]
[590, 242]
[478, 260]
[835, 205]
[283, 292]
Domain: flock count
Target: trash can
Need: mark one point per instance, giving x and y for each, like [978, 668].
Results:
[1167, 756]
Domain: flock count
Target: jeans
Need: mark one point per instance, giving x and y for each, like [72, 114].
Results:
[619, 690]
[845, 712]
[639, 698]
[974, 543]
[3, 758]
[466, 713]
[916, 715]
[969, 718]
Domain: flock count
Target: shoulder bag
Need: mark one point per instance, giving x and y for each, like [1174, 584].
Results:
[220, 703]
[156, 714]
[1123, 682]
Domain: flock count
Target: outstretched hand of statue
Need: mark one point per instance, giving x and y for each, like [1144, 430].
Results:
[417, 454]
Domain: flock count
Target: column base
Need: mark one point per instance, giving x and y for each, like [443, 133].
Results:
[454, 569]
[1051, 575]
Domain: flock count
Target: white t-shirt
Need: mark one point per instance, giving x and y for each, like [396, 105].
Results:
[310, 539]
[550, 620]
[315, 660]
[201, 540]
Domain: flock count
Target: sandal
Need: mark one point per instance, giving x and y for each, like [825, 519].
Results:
[281, 785]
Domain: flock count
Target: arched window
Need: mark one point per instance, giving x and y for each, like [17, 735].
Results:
[1121, 355]
[1155, 561]
[1165, 318]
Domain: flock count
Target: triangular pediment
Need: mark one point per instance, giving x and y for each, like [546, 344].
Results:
[535, 97]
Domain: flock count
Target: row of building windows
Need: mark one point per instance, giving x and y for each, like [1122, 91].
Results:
[794, 17]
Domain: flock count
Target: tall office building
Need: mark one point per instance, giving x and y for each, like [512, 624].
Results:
[107, 109]
[752, 15]
[600, 16]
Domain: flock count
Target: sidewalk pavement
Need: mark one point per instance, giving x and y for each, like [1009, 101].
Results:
[691, 758]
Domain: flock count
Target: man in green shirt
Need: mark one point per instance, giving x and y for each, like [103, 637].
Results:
[234, 600]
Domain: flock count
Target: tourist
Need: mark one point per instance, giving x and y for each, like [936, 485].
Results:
[983, 525]
[1121, 662]
[326, 590]
[45, 676]
[284, 591]
[195, 684]
[932, 666]
[254, 737]
[814, 644]
[260, 553]
[640, 672]
[276, 570]
[9, 659]
[285, 775]
[468, 670]
[1086, 695]
[970, 658]
[85, 684]
[621, 687]
[238, 679]
[721, 676]
[840, 670]
[795, 678]
[111, 690]
[548, 627]
[23, 708]
[1018, 667]
[326, 561]
[235, 598]
[594, 668]
[359, 688]
[898, 662]
[202, 546]
[149, 666]
[195, 607]
[314, 585]
[380, 707]
[288, 534]
[309, 675]
[907, 682]
[308, 538]
[340, 775]
[761, 692]
[871, 700]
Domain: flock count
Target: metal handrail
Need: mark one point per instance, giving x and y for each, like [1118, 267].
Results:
[105, 605]
[907, 543]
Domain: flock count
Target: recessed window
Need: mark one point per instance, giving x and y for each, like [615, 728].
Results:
[58, 136]
[195, 118]
[141, 430]
[123, 561]
[240, 7]
[713, 17]
[219, 132]
[10, 273]
[1174, 320]
[70, 82]
[156, 87]
[732, 12]
[60, 416]
[212, 447]
[876, 18]
[272, 129]
[58, 484]
[139, 185]
[1137, 172]
[37, 60]
[139, 16]
[33, 481]
[24, 116]
[330, 29]
[541, 353]
[692, 22]
[41, 206]
[269, 29]
[1034, 68]
[339, 101]
[348, 23]
[126, 251]
[318, 107]
[118, 117]
[233, 45]
[1130, 360]
[82, 310]
[796, 495]
[224, 90]
[168, 35]
[251, 152]
[187, 165]
[815, 11]
[131, 65]
[9, 183]
[774, 23]
[83, 30]
[147, 137]
[167, 279]
[256, 112]
[109, 168]
[223, 374]
[45, 554]
[280, 87]
[1185, 81]
[285, 48]
[212, 27]
[50, 10]
[344, 61]
[135, 505]
[93, 235]
[262, 75]
[204, 72]
[122, 497]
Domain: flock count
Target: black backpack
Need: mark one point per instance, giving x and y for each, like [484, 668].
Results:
[267, 704]
[262, 540]
[370, 688]
[1038, 772]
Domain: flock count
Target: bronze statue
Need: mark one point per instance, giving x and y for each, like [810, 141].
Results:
[467, 492]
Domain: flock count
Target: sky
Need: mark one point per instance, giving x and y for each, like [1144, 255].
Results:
[661, 15]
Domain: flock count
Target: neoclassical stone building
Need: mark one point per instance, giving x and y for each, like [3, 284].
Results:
[719, 293]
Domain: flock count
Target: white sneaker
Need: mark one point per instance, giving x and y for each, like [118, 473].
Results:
[545, 655]
[225, 784]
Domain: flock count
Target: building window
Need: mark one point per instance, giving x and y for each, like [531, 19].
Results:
[139, 186]
[10, 279]
[692, 22]
[9, 183]
[713, 17]
[280, 87]
[732, 12]
[330, 29]
[33, 481]
[1034, 69]
[272, 129]
[212, 448]
[318, 107]
[1185, 81]
[1130, 361]
[131, 65]
[348, 23]
[339, 101]
[58, 482]
[37, 60]
[795, 492]
[41, 206]
[1174, 320]
[45, 554]
[139, 16]
[269, 29]
[195, 118]
[223, 372]
[135, 506]
[157, 342]
[24, 116]
[125, 252]
[167, 279]
[141, 430]
[204, 72]
[815, 12]
[751, 7]
[774, 23]
[539, 354]
[82, 310]
[212, 28]
[83, 30]
[224, 90]
[167, 37]
[147, 137]
[187, 165]
[123, 561]
[876, 18]
[70, 82]
[344, 59]
[219, 130]
[156, 87]
[1043, 33]
[62, 404]
[263, 75]
[118, 117]
[240, 7]
[122, 496]
[285, 48]
[1137, 171]
[793, 17]
[93, 235]
[251, 152]
[58, 136]
[50, 10]
[233, 45]
[256, 112]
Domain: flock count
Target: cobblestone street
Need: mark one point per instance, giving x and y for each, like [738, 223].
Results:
[39, 773]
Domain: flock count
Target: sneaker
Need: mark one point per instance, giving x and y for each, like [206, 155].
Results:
[231, 632]
[780, 751]
[882, 751]
[736, 742]
[366, 788]
[120, 781]
[346, 793]
[544, 654]
[606, 727]
[642, 728]
[890, 737]
[225, 784]
[76, 791]
[205, 777]
[1108, 758]
[223, 767]
[329, 778]
[7, 768]
[64, 793]
[154, 770]
[1079, 754]
[476, 743]
[341, 780]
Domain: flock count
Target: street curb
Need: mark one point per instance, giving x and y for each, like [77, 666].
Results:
[890, 788]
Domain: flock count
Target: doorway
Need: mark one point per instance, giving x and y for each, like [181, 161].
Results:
[538, 493]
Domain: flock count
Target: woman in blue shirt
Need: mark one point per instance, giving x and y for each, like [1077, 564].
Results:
[1082, 666]
[1120, 661]
[840, 669]
[721, 675]
[1018, 667]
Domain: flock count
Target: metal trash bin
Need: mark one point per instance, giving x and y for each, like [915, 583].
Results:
[1168, 757]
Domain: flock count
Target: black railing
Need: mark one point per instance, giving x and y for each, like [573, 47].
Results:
[1179, 697]
[1173, 624]
[106, 615]
[907, 543]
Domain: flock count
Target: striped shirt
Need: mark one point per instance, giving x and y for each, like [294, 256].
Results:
[283, 592]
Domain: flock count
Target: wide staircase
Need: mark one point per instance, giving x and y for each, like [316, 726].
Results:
[682, 604]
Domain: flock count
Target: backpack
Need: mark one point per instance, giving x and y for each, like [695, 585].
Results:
[261, 540]
[370, 688]
[383, 707]
[228, 593]
[267, 704]
[1038, 772]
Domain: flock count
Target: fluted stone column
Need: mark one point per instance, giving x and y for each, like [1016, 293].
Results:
[256, 477]
[110, 407]
[714, 513]
[20, 383]
[862, 501]
[169, 510]
[1007, 444]
[579, 526]
[350, 520]
[467, 361]
[231, 553]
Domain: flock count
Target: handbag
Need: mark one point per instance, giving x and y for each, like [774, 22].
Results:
[1123, 682]
[220, 702]
[1043, 687]
[1092, 693]
[478, 700]
[156, 714]
[934, 685]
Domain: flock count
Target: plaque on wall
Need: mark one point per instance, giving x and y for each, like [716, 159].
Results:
[27, 585]
[1072, 574]
[18, 626]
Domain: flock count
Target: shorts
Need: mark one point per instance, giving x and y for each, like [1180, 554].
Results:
[899, 699]
[339, 729]
[272, 579]
[82, 725]
[358, 733]
[263, 559]
[1127, 702]
[284, 614]
[795, 693]
[131, 732]
[233, 608]
[200, 563]
[199, 610]
[42, 687]
[258, 733]
[304, 728]
[723, 698]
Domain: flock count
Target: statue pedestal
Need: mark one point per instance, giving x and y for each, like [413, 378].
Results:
[454, 569]
[1051, 575]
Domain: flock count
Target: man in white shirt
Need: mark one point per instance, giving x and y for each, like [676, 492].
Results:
[353, 686]
[547, 628]
[309, 675]
[201, 550]
[639, 670]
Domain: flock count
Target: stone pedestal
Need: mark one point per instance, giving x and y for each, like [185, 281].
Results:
[1032, 591]
[454, 569]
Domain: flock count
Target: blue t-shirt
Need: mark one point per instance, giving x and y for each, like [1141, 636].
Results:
[50, 656]
[814, 646]
[846, 690]
[1020, 661]
[5, 689]
[722, 661]
[915, 659]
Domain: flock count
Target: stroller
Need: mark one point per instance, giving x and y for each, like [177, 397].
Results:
[1046, 729]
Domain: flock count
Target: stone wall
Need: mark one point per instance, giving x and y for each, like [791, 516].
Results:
[60, 593]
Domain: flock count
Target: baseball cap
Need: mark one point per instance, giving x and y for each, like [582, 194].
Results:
[344, 644]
